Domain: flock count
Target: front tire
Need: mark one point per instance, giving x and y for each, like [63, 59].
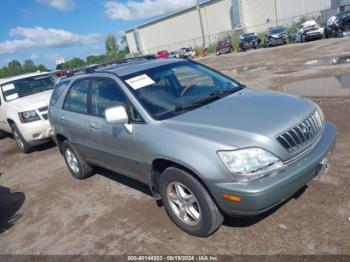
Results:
[23, 145]
[2, 134]
[188, 203]
[77, 166]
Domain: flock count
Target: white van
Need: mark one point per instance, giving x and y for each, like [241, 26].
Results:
[24, 101]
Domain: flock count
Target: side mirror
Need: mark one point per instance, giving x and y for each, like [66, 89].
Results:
[116, 115]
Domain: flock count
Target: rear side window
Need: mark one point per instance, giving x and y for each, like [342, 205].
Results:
[57, 92]
[76, 99]
[105, 93]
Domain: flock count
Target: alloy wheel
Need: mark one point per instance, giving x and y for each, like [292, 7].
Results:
[183, 203]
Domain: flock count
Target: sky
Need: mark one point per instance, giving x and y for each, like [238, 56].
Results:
[48, 30]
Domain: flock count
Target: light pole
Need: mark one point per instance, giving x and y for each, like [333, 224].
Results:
[276, 12]
[201, 22]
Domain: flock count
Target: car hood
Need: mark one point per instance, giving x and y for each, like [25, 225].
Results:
[279, 35]
[246, 118]
[32, 102]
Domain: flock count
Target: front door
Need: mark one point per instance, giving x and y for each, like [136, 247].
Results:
[112, 146]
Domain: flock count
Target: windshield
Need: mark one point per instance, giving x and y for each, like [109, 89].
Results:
[248, 36]
[27, 86]
[277, 30]
[178, 87]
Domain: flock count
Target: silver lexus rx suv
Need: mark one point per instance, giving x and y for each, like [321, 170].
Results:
[206, 145]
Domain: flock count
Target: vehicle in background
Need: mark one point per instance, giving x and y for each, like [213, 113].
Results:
[248, 41]
[309, 31]
[224, 46]
[24, 101]
[174, 54]
[276, 36]
[206, 145]
[162, 54]
[186, 53]
[59, 73]
[338, 26]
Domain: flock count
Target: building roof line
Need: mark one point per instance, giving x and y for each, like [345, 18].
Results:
[156, 20]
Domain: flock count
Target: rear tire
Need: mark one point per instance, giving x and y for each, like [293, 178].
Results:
[22, 144]
[77, 166]
[188, 203]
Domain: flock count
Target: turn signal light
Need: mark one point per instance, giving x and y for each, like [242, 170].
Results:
[231, 198]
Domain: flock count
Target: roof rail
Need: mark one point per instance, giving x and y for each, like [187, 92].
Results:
[92, 68]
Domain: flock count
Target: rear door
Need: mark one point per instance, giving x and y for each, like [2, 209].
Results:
[74, 115]
[112, 146]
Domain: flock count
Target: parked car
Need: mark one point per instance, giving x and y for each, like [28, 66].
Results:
[162, 54]
[224, 46]
[248, 41]
[205, 144]
[276, 36]
[174, 54]
[309, 31]
[24, 103]
[186, 53]
[338, 26]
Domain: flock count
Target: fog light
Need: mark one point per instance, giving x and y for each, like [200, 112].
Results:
[231, 198]
[36, 135]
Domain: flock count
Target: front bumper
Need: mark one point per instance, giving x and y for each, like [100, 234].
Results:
[263, 194]
[313, 36]
[278, 41]
[36, 132]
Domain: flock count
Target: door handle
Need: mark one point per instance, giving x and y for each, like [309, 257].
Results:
[95, 126]
[63, 118]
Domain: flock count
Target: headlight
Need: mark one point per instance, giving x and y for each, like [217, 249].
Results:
[319, 113]
[250, 163]
[28, 116]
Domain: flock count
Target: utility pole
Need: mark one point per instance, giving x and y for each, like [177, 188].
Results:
[276, 12]
[201, 22]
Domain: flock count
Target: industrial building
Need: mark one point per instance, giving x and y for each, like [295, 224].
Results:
[213, 19]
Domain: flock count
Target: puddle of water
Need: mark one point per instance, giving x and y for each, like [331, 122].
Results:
[247, 69]
[320, 87]
[329, 61]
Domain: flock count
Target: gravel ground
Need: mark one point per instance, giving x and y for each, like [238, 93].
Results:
[43, 210]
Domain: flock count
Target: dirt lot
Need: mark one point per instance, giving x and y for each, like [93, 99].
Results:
[43, 210]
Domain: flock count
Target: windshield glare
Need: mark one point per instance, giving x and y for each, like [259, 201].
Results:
[181, 84]
[27, 86]
[277, 30]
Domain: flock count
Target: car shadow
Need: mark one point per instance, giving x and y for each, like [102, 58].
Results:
[126, 181]
[10, 203]
[238, 221]
[46, 146]
[247, 221]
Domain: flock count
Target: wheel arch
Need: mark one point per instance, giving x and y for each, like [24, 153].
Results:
[160, 164]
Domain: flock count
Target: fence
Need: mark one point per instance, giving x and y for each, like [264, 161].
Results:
[320, 16]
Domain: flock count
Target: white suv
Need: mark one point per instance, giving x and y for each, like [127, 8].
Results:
[24, 108]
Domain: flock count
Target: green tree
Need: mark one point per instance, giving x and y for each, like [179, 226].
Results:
[73, 63]
[41, 68]
[111, 45]
[29, 66]
[14, 68]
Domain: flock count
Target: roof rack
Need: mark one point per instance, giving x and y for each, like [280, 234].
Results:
[92, 68]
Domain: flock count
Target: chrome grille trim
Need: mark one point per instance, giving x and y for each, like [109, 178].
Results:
[302, 134]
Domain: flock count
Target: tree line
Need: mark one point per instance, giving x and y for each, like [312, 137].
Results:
[112, 53]
[14, 67]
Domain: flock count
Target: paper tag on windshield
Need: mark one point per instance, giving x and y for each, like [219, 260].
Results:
[12, 97]
[8, 87]
[140, 81]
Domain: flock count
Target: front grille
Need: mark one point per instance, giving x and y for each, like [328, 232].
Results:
[302, 134]
[43, 109]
